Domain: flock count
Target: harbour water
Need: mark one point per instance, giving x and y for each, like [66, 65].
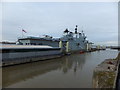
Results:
[73, 71]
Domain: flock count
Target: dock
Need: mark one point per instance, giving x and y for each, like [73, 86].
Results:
[18, 54]
[106, 74]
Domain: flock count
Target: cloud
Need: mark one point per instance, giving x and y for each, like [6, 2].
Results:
[0, 21]
[99, 20]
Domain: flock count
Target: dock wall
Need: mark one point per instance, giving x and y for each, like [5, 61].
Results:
[13, 56]
[105, 74]
[29, 59]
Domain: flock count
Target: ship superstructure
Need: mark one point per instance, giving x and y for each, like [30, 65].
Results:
[75, 40]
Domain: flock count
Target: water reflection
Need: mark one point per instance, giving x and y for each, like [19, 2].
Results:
[74, 61]
[15, 74]
[69, 71]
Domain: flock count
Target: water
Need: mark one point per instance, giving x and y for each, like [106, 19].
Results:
[73, 71]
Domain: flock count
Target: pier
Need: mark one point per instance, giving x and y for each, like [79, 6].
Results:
[107, 74]
[114, 47]
[19, 54]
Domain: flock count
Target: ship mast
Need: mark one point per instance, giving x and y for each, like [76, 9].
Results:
[76, 30]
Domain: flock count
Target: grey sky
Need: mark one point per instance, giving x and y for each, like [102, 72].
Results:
[98, 20]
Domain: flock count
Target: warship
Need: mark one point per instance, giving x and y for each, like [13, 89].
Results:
[31, 49]
[69, 42]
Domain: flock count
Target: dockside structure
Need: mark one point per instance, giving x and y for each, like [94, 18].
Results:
[17, 54]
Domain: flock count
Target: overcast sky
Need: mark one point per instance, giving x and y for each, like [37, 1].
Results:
[99, 20]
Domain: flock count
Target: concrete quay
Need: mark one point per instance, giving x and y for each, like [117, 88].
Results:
[106, 74]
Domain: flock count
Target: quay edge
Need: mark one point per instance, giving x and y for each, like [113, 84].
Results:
[106, 74]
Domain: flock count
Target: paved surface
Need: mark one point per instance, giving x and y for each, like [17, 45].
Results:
[25, 46]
